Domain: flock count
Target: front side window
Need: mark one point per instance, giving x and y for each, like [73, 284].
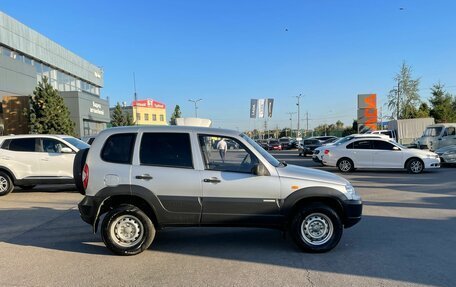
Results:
[383, 145]
[166, 149]
[26, 144]
[451, 131]
[52, 145]
[118, 148]
[218, 155]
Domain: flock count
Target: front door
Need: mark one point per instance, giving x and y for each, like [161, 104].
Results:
[386, 155]
[232, 193]
[165, 172]
[53, 162]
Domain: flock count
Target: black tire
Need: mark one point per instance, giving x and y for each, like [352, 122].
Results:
[316, 215]
[415, 166]
[129, 219]
[6, 184]
[78, 165]
[345, 165]
[27, 186]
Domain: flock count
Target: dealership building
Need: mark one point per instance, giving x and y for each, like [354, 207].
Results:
[26, 57]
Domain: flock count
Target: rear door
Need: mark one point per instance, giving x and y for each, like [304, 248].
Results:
[361, 153]
[232, 194]
[386, 155]
[21, 157]
[166, 169]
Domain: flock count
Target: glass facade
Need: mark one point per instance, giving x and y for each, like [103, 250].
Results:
[93, 128]
[60, 80]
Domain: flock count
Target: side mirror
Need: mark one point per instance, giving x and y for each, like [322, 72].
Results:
[395, 148]
[66, 150]
[260, 170]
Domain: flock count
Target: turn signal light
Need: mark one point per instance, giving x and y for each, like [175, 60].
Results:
[326, 151]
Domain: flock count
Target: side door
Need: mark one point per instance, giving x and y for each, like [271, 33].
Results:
[448, 137]
[21, 157]
[386, 155]
[232, 193]
[164, 169]
[361, 151]
[55, 159]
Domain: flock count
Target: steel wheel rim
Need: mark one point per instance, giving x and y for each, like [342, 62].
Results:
[127, 231]
[3, 184]
[317, 229]
[345, 165]
[416, 166]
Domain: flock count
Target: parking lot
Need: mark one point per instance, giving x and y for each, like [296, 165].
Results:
[407, 237]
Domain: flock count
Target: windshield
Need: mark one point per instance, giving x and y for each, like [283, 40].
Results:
[272, 160]
[76, 143]
[432, 132]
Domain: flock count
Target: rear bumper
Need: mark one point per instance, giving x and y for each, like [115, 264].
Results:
[89, 208]
[353, 210]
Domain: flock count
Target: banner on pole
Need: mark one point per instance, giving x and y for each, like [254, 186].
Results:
[261, 107]
[270, 105]
[253, 108]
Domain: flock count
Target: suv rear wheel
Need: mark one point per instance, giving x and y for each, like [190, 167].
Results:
[126, 230]
[316, 228]
[6, 184]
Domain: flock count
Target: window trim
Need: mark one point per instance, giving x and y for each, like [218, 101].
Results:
[131, 152]
[162, 165]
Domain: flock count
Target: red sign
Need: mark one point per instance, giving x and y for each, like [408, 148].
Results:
[148, 104]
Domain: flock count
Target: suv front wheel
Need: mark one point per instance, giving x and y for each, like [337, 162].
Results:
[127, 230]
[6, 184]
[316, 228]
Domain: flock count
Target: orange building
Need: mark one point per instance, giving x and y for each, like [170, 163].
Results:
[149, 112]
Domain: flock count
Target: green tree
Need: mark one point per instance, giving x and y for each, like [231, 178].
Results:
[118, 118]
[423, 111]
[129, 119]
[442, 105]
[404, 99]
[339, 125]
[176, 114]
[48, 113]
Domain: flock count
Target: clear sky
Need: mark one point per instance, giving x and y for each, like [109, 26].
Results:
[229, 51]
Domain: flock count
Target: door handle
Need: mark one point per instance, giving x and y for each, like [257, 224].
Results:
[212, 180]
[144, 176]
[6, 157]
[45, 159]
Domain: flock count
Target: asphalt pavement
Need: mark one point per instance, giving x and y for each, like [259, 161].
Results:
[407, 237]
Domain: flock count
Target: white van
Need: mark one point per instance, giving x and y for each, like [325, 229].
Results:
[437, 136]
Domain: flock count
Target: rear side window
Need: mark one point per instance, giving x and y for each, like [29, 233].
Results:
[25, 144]
[362, 145]
[166, 149]
[118, 148]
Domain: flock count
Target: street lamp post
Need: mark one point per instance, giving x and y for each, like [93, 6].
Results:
[196, 107]
[299, 115]
[291, 122]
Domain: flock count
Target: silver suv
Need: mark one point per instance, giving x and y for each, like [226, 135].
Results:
[149, 178]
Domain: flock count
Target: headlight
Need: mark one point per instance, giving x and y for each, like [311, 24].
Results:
[351, 192]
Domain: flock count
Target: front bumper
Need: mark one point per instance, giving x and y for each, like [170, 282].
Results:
[431, 163]
[353, 210]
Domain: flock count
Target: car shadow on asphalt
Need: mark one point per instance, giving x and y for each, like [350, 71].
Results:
[48, 188]
[384, 247]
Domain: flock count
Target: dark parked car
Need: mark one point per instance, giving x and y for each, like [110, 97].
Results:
[308, 146]
[263, 144]
[274, 145]
[286, 143]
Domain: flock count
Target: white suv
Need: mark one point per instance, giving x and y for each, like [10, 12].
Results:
[27, 160]
[148, 178]
[367, 152]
